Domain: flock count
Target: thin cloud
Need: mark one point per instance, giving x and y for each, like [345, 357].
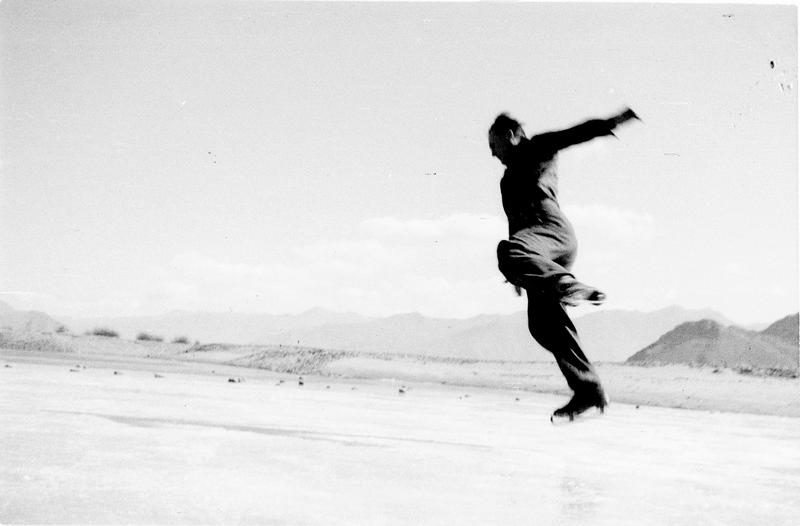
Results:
[607, 222]
[459, 225]
[443, 266]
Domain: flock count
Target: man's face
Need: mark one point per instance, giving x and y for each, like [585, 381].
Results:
[502, 145]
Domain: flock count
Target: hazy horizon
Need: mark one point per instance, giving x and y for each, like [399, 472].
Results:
[276, 157]
[576, 313]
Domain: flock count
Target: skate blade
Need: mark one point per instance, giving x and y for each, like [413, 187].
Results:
[561, 419]
[569, 418]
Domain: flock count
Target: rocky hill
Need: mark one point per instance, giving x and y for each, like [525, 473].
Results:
[615, 335]
[786, 329]
[12, 320]
[707, 342]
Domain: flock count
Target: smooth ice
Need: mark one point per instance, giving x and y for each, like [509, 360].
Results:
[94, 447]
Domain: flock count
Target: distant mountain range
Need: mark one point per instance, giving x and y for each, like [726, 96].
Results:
[607, 336]
[487, 337]
[707, 342]
[611, 335]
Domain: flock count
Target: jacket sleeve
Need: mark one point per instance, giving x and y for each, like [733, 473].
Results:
[558, 140]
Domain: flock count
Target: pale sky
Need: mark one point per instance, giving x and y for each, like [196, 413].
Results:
[262, 157]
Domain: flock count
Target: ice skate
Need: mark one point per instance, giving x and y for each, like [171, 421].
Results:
[579, 404]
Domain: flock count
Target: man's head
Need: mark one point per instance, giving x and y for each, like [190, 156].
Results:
[504, 135]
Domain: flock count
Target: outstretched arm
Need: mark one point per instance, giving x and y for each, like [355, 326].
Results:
[558, 140]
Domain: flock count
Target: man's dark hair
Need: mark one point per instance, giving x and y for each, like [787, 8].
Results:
[504, 124]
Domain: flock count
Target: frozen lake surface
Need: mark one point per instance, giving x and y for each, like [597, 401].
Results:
[93, 447]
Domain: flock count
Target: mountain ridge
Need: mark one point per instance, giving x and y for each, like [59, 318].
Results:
[609, 336]
[612, 335]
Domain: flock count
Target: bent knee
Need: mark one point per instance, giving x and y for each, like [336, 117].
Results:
[505, 260]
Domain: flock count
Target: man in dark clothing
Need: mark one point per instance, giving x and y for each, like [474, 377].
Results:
[542, 246]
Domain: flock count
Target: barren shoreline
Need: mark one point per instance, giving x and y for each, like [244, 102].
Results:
[675, 386]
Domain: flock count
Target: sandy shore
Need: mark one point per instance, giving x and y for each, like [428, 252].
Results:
[672, 386]
[668, 386]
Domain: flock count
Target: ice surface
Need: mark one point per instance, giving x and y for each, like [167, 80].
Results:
[94, 447]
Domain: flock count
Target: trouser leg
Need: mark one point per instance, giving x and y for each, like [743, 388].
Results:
[552, 328]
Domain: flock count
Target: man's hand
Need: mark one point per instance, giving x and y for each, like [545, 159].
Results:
[624, 116]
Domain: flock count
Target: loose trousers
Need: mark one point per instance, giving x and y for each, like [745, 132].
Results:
[552, 328]
[535, 261]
